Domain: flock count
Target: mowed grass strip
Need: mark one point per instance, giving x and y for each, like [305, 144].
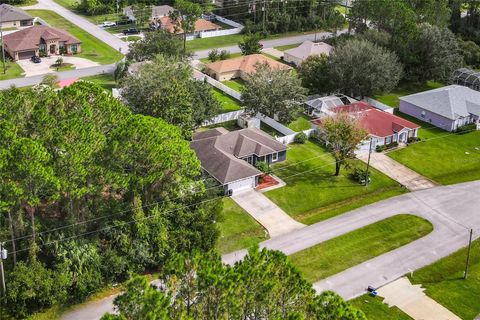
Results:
[106, 80]
[353, 248]
[313, 193]
[447, 159]
[375, 309]
[228, 103]
[92, 48]
[238, 230]
[13, 70]
[445, 284]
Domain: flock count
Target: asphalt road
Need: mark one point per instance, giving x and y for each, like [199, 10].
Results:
[451, 209]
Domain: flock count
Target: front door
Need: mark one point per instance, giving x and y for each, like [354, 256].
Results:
[53, 49]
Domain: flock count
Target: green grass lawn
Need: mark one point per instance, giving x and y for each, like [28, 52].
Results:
[271, 131]
[444, 282]
[69, 4]
[392, 98]
[228, 103]
[238, 230]
[92, 48]
[375, 309]
[300, 124]
[13, 70]
[313, 193]
[63, 67]
[446, 158]
[348, 250]
[235, 84]
[131, 38]
[288, 46]
[106, 80]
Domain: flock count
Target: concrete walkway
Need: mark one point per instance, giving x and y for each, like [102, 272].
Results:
[412, 300]
[412, 180]
[267, 213]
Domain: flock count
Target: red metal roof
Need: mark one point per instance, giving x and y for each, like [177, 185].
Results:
[376, 122]
[66, 82]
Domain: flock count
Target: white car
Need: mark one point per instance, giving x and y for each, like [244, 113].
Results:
[107, 24]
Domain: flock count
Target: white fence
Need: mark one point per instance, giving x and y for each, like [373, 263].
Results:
[220, 86]
[291, 137]
[275, 125]
[379, 105]
[229, 22]
[224, 117]
[40, 20]
[237, 28]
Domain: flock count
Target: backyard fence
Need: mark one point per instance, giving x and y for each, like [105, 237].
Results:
[275, 125]
[291, 137]
[40, 20]
[237, 28]
[220, 86]
[377, 104]
[224, 117]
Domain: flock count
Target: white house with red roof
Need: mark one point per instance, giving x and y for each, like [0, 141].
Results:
[382, 127]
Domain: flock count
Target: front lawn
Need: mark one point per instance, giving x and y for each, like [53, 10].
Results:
[348, 250]
[445, 284]
[235, 84]
[131, 38]
[228, 103]
[92, 48]
[13, 70]
[375, 309]
[300, 124]
[313, 193]
[447, 158]
[288, 46]
[238, 230]
[392, 98]
[106, 80]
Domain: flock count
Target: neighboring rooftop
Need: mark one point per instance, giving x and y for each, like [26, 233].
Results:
[10, 13]
[377, 123]
[467, 77]
[246, 64]
[200, 25]
[161, 11]
[451, 102]
[30, 38]
[220, 151]
[309, 48]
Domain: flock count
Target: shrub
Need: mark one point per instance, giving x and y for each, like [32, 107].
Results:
[213, 55]
[386, 146]
[300, 138]
[263, 166]
[224, 54]
[413, 139]
[380, 148]
[42, 53]
[466, 128]
[359, 175]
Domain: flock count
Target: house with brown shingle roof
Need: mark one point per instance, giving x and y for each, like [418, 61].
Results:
[241, 67]
[230, 156]
[32, 41]
[14, 17]
[201, 25]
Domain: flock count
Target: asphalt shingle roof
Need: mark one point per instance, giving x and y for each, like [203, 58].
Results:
[451, 102]
[10, 13]
[29, 38]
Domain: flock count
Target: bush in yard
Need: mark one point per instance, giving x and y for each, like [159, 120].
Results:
[224, 55]
[300, 138]
[413, 139]
[213, 55]
[359, 175]
[263, 166]
[466, 128]
[380, 148]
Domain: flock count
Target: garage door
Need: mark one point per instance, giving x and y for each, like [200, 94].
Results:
[25, 55]
[241, 185]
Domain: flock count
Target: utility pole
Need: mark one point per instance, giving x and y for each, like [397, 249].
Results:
[367, 175]
[3, 49]
[468, 254]
[264, 13]
[3, 256]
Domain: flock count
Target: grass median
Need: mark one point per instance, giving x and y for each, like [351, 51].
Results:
[348, 250]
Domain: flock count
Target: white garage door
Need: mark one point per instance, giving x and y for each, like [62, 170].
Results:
[241, 185]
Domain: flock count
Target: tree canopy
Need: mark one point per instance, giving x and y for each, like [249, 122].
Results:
[155, 43]
[264, 285]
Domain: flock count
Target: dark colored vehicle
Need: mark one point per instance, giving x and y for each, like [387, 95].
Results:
[35, 59]
[124, 22]
[131, 31]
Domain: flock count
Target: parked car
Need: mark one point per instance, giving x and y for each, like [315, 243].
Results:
[131, 31]
[107, 24]
[35, 59]
[124, 22]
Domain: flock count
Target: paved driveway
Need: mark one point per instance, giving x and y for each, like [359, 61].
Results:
[33, 69]
[412, 180]
[267, 213]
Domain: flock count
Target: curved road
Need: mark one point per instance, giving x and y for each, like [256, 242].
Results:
[451, 209]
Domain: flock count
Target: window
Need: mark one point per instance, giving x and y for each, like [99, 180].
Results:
[423, 114]
[388, 140]
[274, 157]
[73, 48]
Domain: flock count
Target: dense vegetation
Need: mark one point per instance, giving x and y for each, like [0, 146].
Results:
[91, 193]
[264, 285]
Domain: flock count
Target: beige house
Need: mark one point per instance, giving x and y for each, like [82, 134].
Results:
[308, 48]
[240, 67]
[40, 40]
[13, 17]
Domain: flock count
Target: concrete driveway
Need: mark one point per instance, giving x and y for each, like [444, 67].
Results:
[267, 213]
[33, 69]
[412, 180]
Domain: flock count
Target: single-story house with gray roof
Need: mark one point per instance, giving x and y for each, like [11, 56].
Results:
[447, 108]
[230, 156]
[14, 17]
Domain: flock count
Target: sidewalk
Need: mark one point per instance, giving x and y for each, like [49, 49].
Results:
[397, 171]
[267, 213]
[412, 300]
